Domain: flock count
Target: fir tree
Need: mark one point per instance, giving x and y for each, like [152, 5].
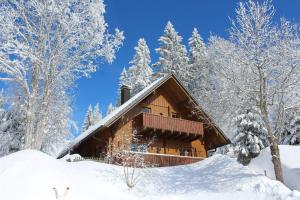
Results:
[140, 72]
[250, 137]
[173, 55]
[12, 123]
[110, 108]
[97, 114]
[291, 133]
[88, 119]
[123, 78]
[198, 72]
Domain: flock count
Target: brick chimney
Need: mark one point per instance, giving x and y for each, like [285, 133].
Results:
[125, 93]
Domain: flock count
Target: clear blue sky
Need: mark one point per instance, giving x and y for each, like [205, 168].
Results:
[147, 18]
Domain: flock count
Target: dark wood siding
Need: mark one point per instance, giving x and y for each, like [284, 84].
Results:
[171, 124]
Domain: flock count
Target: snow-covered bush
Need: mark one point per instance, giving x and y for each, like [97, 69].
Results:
[250, 136]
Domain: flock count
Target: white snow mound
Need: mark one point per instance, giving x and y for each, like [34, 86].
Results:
[290, 163]
[32, 175]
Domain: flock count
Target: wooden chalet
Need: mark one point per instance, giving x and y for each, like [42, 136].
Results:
[170, 125]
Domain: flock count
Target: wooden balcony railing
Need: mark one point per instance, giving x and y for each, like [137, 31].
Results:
[170, 124]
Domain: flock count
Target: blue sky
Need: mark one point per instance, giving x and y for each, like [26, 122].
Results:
[147, 19]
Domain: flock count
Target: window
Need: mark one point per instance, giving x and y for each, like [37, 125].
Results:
[158, 150]
[175, 115]
[146, 110]
[134, 147]
[144, 148]
[181, 151]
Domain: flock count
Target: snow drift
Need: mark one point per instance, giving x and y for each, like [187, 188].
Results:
[31, 175]
[290, 162]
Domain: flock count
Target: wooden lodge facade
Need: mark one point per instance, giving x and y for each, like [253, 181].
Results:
[163, 122]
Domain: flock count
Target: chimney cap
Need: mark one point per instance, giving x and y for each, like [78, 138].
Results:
[125, 86]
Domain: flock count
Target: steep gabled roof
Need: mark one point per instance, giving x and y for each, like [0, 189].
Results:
[127, 106]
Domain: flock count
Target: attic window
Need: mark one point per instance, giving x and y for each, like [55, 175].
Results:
[146, 110]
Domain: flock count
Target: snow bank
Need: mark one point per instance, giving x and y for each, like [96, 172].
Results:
[290, 161]
[31, 175]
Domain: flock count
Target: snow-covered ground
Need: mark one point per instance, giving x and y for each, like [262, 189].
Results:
[290, 162]
[31, 175]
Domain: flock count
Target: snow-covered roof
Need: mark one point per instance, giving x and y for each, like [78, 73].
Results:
[114, 115]
[121, 110]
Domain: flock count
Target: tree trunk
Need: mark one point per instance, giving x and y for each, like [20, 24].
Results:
[274, 149]
[276, 160]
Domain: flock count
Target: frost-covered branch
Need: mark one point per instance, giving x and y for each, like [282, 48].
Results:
[45, 47]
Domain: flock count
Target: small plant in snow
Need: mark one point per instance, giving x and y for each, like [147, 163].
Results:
[59, 196]
[132, 160]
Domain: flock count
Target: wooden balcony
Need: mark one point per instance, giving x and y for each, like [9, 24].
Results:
[147, 120]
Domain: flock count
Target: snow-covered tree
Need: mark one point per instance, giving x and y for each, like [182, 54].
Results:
[291, 133]
[199, 76]
[45, 47]
[260, 67]
[88, 119]
[92, 116]
[198, 67]
[140, 72]
[110, 108]
[123, 78]
[251, 136]
[59, 123]
[1, 101]
[97, 114]
[11, 128]
[173, 55]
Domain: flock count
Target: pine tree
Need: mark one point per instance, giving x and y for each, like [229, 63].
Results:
[198, 73]
[97, 114]
[12, 123]
[250, 137]
[173, 55]
[123, 78]
[1, 102]
[140, 72]
[88, 119]
[291, 133]
[110, 108]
